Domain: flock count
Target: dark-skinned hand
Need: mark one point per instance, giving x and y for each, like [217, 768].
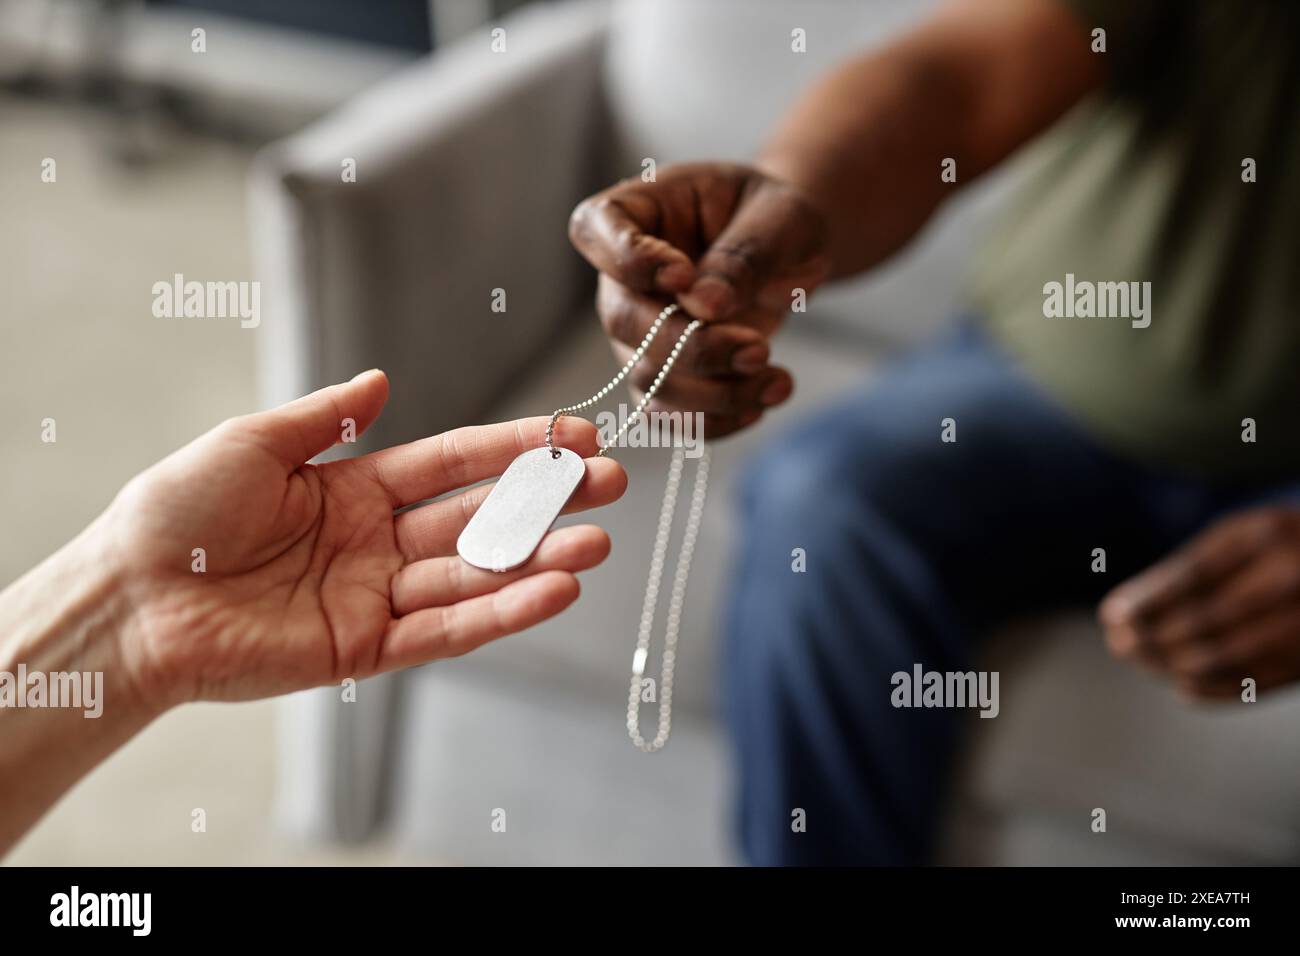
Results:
[730, 245]
[1220, 609]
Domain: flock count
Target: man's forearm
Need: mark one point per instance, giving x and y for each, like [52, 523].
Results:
[860, 146]
[59, 623]
[866, 144]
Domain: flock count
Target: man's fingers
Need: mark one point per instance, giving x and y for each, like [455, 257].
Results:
[1232, 652]
[739, 345]
[732, 396]
[773, 231]
[616, 232]
[716, 236]
[436, 582]
[300, 430]
[456, 629]
[1267, 650]
[1273, 579]
[728, 347]
[431, 531]
[1192, 570]
[1255, 589]
[433, 466]
[728, 403]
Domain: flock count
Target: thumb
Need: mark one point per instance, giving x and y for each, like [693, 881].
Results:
[614, 231]
[302, 429]
[773, 232]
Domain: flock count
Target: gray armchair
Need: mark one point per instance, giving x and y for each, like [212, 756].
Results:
[467, 168]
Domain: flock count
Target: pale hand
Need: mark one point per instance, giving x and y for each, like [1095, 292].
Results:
[310, 577]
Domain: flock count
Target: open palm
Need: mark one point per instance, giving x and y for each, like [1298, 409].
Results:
[254, 573]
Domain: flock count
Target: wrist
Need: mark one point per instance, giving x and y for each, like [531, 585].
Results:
[794, 169]
[68, 693]
[73, 614]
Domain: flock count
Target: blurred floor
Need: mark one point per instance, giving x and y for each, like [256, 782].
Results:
[78, 343]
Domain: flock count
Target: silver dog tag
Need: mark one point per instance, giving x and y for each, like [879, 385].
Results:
[520, 509]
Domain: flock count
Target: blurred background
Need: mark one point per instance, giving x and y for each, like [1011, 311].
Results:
[381, 167]
[152, 143]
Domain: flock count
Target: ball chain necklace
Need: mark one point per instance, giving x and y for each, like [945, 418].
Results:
[524, 503]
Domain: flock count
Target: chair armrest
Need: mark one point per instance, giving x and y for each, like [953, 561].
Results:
[467, 167]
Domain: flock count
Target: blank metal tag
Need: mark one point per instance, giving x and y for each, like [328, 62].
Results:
[520, 509]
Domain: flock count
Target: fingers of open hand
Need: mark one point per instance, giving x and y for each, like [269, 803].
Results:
[441, 463]
[297, 431]
[449, 631]
[434, 582]
[431, 531]
[443, 607]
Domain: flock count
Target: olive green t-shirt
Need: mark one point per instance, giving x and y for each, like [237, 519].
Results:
[1148, 276]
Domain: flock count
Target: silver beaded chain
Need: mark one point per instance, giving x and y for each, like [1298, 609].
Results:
[675, 601]
[677, 597]
[622, 374]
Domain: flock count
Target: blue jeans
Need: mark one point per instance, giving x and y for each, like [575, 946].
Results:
[913, 548]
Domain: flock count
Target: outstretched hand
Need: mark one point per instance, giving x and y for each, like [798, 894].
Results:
[307, 575]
